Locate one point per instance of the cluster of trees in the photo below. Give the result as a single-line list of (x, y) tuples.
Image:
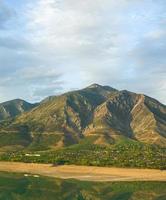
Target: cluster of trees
[(120, 155)]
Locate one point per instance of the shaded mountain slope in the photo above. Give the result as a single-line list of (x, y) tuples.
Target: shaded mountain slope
[(13, 108)]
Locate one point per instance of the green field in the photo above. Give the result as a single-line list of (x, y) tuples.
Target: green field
[(17, 187), (122, 154)]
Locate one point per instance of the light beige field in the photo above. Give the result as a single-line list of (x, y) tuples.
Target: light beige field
[(87, 173)]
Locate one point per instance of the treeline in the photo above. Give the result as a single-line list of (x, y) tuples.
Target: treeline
[(120, 155)]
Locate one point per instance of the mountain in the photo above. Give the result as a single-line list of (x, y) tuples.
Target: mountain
[(101, 113), (13, 108)]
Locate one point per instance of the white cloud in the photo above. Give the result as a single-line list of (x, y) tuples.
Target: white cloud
[(75, 43)]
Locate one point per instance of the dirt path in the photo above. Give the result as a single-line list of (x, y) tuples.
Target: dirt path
[(85, 172)]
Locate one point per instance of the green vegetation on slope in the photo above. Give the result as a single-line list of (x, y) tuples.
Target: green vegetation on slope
[(17, 187)]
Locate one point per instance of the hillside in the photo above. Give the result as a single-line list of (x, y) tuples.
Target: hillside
[(99, 111), (13, 108), (94, 117)]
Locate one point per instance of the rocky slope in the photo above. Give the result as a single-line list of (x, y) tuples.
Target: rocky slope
[(99, 112)]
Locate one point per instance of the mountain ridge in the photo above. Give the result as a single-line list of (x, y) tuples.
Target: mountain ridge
[(96, 111)]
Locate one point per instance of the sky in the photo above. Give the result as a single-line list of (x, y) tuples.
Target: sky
[(48, 47)]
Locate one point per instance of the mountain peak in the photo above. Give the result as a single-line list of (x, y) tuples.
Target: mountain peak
[(95, 85), (101, 87)]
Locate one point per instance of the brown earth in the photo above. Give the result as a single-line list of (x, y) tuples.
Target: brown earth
[(87, 173)]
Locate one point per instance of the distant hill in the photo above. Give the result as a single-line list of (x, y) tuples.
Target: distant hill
[(13, 108), (101, 112)]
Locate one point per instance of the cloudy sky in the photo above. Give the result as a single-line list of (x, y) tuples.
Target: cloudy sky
[(51, 46)]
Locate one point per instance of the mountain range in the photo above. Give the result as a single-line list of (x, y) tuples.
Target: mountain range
[(99, 112)]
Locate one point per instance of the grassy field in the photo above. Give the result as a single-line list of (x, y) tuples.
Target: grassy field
[(17, 187)]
